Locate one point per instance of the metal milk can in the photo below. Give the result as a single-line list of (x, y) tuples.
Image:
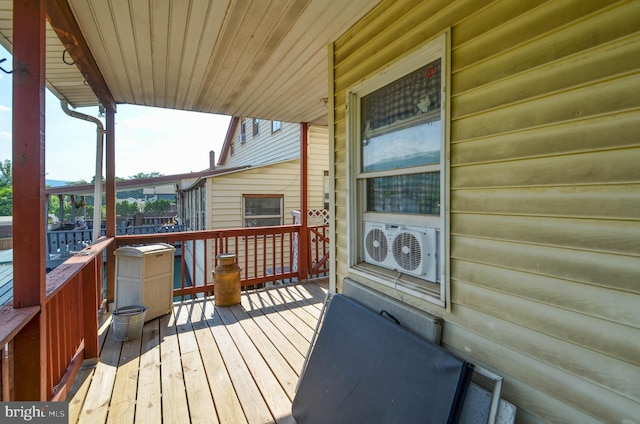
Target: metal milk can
[(226, 280)]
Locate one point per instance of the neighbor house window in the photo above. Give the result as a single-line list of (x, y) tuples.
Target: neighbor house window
[(327, 189), (276, 126), (243, 132), (397, 130), (262, 210), (256, 126)]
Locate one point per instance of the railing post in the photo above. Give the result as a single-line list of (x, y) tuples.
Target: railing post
[(29, 222), (90, 280), (111, 202), (303, 237)]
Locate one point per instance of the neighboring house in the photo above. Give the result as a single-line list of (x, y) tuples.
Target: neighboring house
[(522, 192), (262, 185)]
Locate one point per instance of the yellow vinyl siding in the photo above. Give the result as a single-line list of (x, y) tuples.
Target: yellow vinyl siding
[(545, 191), (226, 192), (318, 163), (225, 197)]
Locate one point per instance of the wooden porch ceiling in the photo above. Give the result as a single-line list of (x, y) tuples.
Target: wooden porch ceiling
[(205, 364), (257, 58)]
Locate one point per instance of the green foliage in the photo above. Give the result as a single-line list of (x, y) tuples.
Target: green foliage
[(5, 174), (6, 201), (54, 208), (126, 209), (141, 175), (157, 206)]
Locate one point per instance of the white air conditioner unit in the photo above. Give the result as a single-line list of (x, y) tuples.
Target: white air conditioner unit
[(410, 250), (241, 138)]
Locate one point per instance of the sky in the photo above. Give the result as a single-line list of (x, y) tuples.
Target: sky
[(147, 139)]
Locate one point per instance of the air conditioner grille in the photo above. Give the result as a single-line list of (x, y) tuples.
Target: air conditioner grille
[(376, 245), (406, 251)]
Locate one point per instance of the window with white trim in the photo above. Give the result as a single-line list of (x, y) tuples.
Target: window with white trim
[(243, 132), (262, 210), (397, 130), (276, 126)]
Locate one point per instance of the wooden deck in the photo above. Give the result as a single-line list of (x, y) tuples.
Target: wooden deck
[(205, 364)]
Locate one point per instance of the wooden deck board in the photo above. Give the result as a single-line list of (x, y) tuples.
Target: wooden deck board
[(282, 323), (174, 394), (273, 394), (198, 394), (123, 405), (96, 404), (204, 363), (149, 399), (81, 384), (226, 401), (253, 405)]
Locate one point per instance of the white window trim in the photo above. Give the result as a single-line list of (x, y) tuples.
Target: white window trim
[(431, 50), (254, 196)]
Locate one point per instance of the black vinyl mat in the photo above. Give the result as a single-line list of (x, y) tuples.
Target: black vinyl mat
[(365, 368)]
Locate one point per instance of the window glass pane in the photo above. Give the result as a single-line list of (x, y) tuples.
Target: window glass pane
[(411, 194), (262, 206), (261, 222), (401, 122)]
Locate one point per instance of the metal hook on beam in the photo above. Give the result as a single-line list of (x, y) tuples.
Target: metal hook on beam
[(4, 70), (64, 59)]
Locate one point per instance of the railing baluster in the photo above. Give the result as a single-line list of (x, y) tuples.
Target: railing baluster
[(5, 373)]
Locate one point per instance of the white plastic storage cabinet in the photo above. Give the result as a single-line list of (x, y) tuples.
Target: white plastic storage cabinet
[(144, 276)]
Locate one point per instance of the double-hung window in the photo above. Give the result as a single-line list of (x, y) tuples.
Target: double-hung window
[(262, 210), (397, 130), (243, 132)]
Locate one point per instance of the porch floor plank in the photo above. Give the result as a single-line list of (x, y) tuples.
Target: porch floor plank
[(253, 405), (227, 404), (149, 398), (283, 321), (273, 394), (123, 406), (204, 363), (96, 404), (286, 348), (174, 394), (287, 376), (198, 394)]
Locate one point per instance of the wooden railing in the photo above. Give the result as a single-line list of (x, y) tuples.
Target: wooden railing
[(69, 317), (319, 250), (265, 255)]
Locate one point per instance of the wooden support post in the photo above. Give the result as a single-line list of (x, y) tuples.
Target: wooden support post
[(111, 201), (303, 239), (29, 221)]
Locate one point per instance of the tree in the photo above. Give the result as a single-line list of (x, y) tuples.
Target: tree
[(6, 201), (157, 206), (5, 174), (127, 209), (141, 175)]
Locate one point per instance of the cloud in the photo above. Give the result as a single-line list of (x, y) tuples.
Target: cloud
[(4, 108)]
